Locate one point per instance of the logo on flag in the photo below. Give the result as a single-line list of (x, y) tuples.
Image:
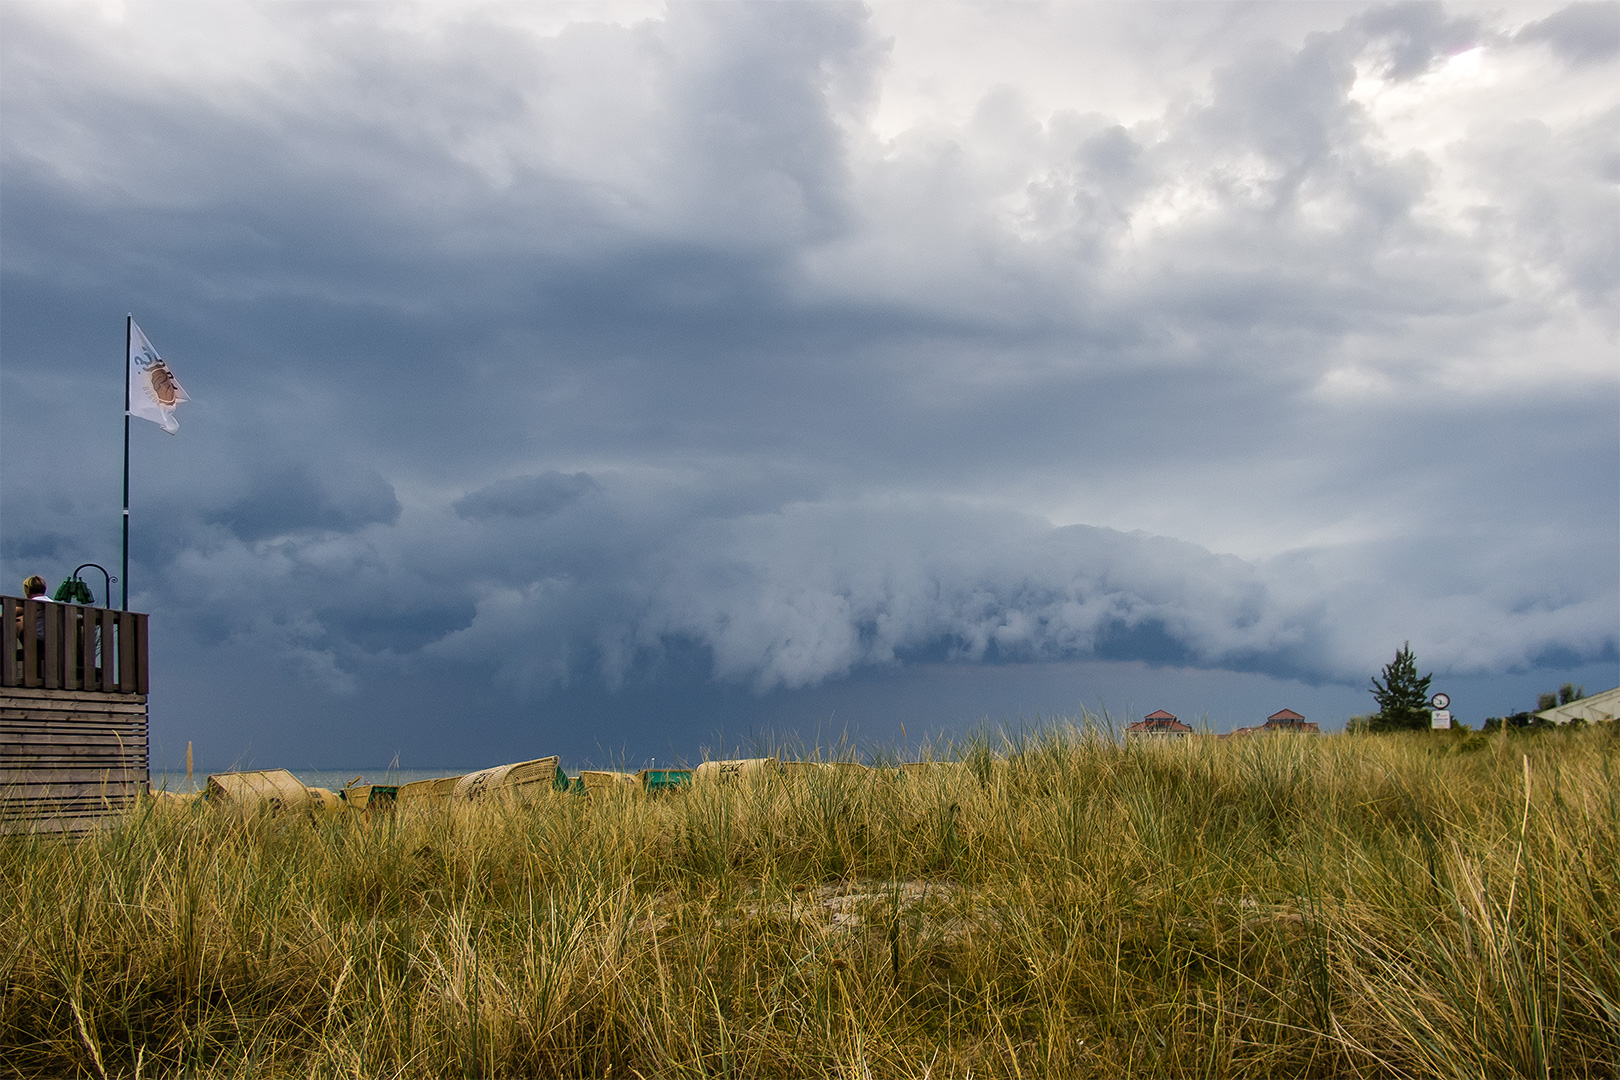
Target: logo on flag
[(154, 392)]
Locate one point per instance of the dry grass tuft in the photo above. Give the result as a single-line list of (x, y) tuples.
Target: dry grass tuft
[(1061, 905)]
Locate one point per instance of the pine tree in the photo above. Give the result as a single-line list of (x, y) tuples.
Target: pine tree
[(1403, 698)]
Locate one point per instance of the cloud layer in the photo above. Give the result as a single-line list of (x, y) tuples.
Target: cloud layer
[(566, 346)]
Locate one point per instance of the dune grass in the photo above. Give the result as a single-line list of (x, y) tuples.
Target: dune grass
[(1061, 905)]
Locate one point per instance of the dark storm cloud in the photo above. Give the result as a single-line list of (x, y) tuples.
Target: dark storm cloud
[(659, 361), (296, 498), (1416, 35), (793, 595), (525, 496), (1580, 33)]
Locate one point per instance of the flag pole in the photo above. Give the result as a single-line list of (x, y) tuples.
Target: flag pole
[(124, 577)]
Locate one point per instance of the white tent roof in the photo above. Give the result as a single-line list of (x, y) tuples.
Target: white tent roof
[(1594, 709)]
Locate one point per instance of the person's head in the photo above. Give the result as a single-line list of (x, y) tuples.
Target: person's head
[(33, 585)]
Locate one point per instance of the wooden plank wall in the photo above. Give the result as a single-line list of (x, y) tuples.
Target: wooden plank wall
[(72, 647), (69, 758)]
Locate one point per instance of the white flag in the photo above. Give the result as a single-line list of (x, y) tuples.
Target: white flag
[(154, 393)]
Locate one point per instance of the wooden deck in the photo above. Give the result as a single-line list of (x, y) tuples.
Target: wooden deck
[(73, 715)]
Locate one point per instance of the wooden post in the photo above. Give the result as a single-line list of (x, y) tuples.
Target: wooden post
[(11, 617), (52, 645), (87, 647), (68, 642), (109, 651), (141, 658), (30, 645), (126, 652)]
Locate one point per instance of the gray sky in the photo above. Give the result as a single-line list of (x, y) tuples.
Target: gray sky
[(633, 381)]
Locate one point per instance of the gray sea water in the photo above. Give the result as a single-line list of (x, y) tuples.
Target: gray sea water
[(335, 779)]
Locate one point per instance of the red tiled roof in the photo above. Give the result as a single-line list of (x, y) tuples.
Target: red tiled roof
[(1158, 714), (1285, 714), (1275, 727), (1154, 725)]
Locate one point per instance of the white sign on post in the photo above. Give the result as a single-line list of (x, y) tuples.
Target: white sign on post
[(1440, 718)]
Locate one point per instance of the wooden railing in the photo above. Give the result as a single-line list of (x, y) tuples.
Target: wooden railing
[(53, 646)]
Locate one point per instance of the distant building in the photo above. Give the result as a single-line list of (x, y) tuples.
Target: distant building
[(1289, 720), (1159, 722), (1280, 722), (1597, 709)]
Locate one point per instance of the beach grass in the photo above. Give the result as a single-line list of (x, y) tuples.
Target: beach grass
[(1060, 904)]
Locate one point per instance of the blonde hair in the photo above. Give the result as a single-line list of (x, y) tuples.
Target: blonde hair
[(33, 585)]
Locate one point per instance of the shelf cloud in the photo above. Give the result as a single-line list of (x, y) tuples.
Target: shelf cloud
[(567, 347)]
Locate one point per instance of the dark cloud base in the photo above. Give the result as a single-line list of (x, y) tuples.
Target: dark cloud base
[(427, 723), (621, 383)]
